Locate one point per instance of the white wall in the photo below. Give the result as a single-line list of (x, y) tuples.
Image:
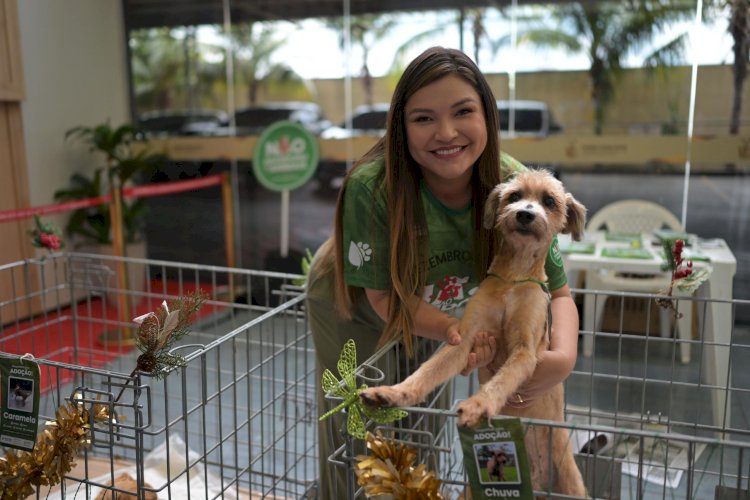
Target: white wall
[(74, 63)]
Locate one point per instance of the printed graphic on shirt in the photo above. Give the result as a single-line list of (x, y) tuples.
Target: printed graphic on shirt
[(463, 256), (448, 293), (555, 254), (359, 253)]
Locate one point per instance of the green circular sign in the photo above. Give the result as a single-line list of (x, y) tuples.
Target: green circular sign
[(285, 156)]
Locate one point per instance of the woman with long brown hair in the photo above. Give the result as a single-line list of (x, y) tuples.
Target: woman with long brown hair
[(409, 247)]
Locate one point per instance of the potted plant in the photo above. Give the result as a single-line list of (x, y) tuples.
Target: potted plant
[(122, 165), (91, 227)]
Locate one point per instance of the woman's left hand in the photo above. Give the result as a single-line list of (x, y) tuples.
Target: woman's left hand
[(482, 352)]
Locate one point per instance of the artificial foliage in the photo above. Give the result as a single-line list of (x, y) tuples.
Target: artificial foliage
[(685, 279), (159, 330), (61, 440), (54, 453), (347, 389), (120, 164), (388, 472), (305, 265)]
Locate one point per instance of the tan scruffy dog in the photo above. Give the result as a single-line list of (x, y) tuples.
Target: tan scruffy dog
[(512, 304)]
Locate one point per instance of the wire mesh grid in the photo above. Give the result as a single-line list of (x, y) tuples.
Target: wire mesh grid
[(237, 421), (645, 422)]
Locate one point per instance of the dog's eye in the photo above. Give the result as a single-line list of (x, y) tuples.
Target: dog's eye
[(549, 202), (514, 197)]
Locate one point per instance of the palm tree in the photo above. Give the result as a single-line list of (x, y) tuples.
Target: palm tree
[(157, 60), (366, 31), (608, 32), (254, 47), (480, 35), (170, 69), (739, 27)]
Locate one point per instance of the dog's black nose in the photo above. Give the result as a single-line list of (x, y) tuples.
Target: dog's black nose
[(525, 217)]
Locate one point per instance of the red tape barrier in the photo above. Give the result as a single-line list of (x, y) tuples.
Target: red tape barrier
[(25, 213), (171, 187), (131, 192)]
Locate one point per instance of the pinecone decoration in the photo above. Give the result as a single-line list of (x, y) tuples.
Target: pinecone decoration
[(159, 330), (146, 362)]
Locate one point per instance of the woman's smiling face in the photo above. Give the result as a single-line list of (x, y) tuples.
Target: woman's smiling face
[(446, 130)]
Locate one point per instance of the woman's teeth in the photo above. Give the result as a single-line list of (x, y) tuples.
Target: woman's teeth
[(448, 151)]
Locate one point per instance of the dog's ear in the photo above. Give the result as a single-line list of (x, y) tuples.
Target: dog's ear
[(576, 217), (491, 205)]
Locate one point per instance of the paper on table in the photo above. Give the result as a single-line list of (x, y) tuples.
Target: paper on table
[(622, 237), (578, 247), (669, 234), (695, 254), (627, 253)]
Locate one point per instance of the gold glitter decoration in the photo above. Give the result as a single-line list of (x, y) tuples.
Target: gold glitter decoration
[(59, 443), (54, 454), (389, 472)]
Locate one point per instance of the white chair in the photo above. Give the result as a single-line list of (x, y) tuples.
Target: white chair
[(633, 216)]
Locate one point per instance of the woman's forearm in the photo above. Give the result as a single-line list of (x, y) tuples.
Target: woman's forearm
[(565, 323), (555, 364), (429, 321)]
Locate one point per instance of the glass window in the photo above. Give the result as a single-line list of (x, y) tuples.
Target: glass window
[(619, 113)]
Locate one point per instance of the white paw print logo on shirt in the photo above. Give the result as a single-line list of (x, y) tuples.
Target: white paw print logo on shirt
[(359, 253)]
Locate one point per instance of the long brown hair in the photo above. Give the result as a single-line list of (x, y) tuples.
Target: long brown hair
[(401, 178)]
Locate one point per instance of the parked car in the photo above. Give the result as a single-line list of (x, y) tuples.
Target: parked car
[(526, 119), (252, 120), (530, 119), (181, 122), (174, 123), (365, 121)]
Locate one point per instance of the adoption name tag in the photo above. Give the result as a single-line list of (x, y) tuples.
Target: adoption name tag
[(19, 402), (495, 459)]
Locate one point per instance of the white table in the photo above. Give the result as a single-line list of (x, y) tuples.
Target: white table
[(717, 289)]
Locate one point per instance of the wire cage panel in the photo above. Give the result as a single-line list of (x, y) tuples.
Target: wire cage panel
[(238, 420), (645, 423)]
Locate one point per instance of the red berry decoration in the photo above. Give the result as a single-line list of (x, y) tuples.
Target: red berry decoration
[(44, 235), (684, 278)]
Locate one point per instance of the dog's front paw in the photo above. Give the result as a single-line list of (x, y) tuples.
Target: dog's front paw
[(386, 396), (473, 410)]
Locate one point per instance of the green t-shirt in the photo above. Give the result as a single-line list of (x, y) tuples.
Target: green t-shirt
[(451, 278)]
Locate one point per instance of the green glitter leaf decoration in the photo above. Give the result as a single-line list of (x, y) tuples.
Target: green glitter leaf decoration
[(305, 264), (346, 388)]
